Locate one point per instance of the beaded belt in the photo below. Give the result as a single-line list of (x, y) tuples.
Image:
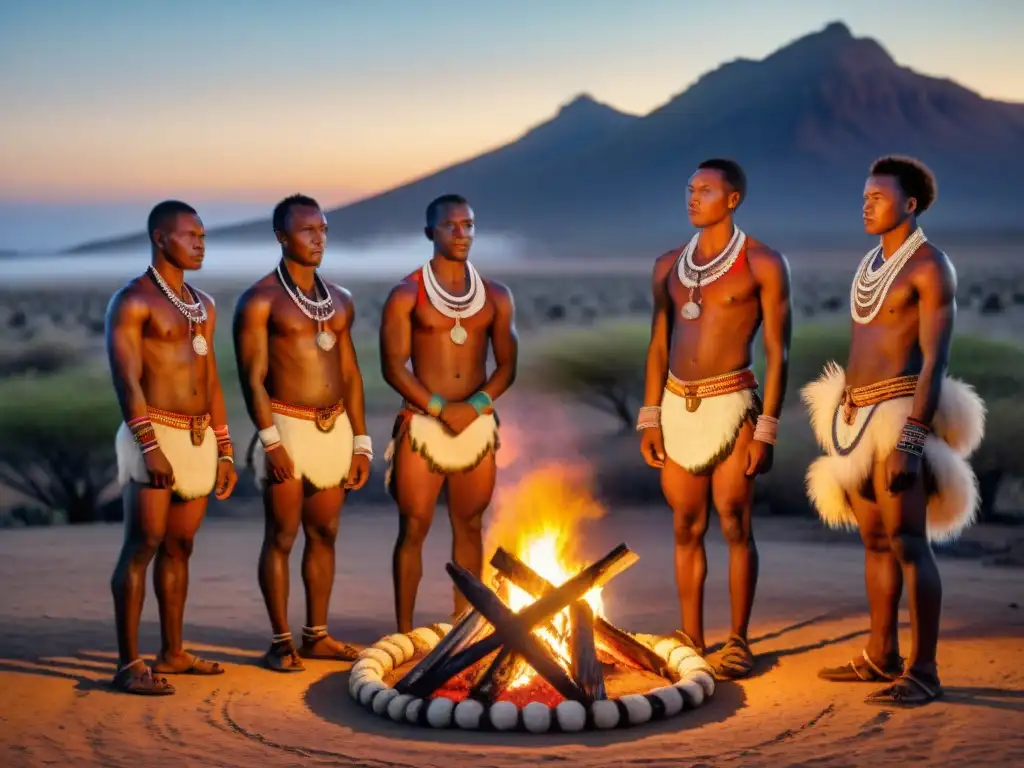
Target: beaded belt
[(196, 424), (872, 394), (323, 417), (713, 386)]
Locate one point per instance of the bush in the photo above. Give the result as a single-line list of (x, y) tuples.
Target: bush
[(604, 367), (57, 443)]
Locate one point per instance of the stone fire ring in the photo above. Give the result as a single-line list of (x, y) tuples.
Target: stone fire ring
[(367, 686)]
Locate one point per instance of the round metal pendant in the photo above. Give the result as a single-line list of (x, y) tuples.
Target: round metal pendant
[(325, 340), (691, 310), (199, 345), (458, 334)]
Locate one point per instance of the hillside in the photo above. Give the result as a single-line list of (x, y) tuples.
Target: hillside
[(805, 122)]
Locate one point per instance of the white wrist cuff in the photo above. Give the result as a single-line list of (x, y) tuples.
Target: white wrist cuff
[(362, 444), (270, 435)]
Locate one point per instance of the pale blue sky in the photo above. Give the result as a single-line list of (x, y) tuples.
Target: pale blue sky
[(111, 104)]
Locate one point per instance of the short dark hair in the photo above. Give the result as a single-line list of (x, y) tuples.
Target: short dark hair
[(282, 209), (434, 209), (731, 170), (163, 212), (914, 177)]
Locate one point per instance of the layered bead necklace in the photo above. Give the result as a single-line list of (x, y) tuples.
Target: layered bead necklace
[(457, 307), (872, 283), (693, 275), (318, 310), (194, 312)]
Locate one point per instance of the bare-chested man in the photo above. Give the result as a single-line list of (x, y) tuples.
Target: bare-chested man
[(700, 402), (173, 448), (444, 318), (897, 431), (304, 392)]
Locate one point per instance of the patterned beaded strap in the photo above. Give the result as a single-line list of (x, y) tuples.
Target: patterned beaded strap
[(913, 437)]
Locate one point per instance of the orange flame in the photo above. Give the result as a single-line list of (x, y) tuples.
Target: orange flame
[(539, 521)]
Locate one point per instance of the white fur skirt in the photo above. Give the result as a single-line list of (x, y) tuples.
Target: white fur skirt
[(194, 466), (444, 452), (322, 458), (698, 440), (852, 450)]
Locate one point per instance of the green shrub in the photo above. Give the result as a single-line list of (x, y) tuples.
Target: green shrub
[(57, 442)]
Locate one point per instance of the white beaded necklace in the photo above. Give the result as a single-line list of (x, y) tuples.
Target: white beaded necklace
[(456, 307), (195, 313), (871, 285), (317, 310), (694, 275)]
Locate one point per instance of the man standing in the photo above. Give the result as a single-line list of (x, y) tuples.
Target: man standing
[(444, 317), (897, 432), (173, 448), (304, 392), (700, 402)]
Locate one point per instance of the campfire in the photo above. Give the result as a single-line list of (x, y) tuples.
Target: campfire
[(535, 647)]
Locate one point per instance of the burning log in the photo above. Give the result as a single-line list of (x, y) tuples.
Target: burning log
[(471, 626), (625, 648), (511, 631), (586, 669), (554, 601), (498, 676)]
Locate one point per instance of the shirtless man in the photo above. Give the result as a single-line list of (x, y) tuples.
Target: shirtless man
[(700, 401), (443, 318), (897, 432), (304, 392), (173, 448)]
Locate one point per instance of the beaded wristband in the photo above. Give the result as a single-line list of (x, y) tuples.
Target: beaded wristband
[(766, 429), (435, 406), (270, 437), (362, 445), (913, 437), (225, 449), (143, 433), (649, 417), (481, 402)]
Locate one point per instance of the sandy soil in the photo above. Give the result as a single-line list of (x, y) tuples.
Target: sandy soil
[(57, 654)]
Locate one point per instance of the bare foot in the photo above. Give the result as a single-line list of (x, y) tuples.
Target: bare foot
[(137, 678)]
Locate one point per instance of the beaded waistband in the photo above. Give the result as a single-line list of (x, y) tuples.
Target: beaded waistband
[(723, 384), (178, 420), (323, 417), (872, 394)]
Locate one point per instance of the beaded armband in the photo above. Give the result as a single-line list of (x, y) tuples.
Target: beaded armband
[(435, 405), (767, 429), (648, 418), (142, 430), (225, 449), (913, 437), (481, 402)]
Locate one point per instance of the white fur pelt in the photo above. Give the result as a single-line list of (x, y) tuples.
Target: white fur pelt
[(444, 451), (322, 458), (958, 428), (194, 466), (698, 440)]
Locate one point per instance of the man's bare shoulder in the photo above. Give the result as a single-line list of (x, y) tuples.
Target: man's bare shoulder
[(666, 261), (762, 253), (205, 297), (497, 291), (259, 295), (402, 295), (135, 297), (932, 267), (342, 296)]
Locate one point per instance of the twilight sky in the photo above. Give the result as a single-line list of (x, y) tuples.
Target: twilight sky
[(112, 104)]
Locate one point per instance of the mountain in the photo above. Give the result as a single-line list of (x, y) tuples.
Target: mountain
[(805, 122)]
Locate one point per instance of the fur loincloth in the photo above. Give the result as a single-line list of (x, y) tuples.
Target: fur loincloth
[(958, 428), (194, 466), (319, 442), (701, 420), (444, 452)]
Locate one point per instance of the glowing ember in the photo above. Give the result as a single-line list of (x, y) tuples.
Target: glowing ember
[(539, 523)]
